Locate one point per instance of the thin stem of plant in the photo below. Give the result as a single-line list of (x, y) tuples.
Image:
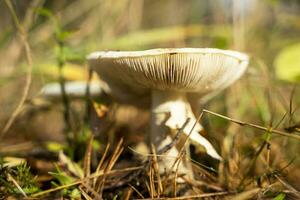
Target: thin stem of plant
[(64, 96), (23, 36), (241, 123)]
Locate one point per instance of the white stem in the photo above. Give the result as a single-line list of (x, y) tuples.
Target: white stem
[(169, 111)]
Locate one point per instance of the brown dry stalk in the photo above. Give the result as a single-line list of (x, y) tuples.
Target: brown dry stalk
[(91, 190), (84, 194), (288, 186), (174, 142), (181, 155), (190, 197), (80, 181), (151, 182), (242, 123), (119, 149), (23, 36), (156, 170), (136, 190), (128, 194), (101, 163), (87, 158)]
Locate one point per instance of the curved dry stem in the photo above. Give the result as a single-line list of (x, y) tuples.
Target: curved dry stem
[(23, 36)]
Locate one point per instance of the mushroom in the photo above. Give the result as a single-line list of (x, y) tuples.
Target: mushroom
[(166, 79), (73, 89)]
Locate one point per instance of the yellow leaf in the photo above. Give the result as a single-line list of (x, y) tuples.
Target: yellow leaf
[(70, 71), (287, 63)]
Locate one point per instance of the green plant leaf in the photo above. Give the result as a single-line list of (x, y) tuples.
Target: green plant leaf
[(54, 146), (74, 55), (280, 197), (44, 12), (75, 194), (287, 63), (62, 177), (63, 35), (71, 166)]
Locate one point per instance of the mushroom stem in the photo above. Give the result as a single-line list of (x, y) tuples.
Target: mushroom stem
[(170, 110)]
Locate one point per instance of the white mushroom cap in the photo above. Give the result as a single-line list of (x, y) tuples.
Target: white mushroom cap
[(196, 71), (74, 89)]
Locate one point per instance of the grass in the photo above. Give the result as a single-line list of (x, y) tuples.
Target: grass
[(254, 123), (73, 180)]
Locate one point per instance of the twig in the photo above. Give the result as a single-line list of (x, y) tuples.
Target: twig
[(175, 140), (185, 141), (191, 196), (23, 36), (136, 191), (288, 186), (241, 123)]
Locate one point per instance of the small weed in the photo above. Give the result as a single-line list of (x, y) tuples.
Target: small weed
[(17, 181)]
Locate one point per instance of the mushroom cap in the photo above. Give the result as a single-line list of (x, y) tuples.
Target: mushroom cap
[(74, 89), (131, 75)]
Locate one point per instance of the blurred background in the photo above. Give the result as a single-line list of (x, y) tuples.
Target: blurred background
[(61, 33)]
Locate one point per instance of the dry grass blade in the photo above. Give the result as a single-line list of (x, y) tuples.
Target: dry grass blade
[(171, 145), (175, 140), (197, 183), (128, 194), (247, 194), (147, 186), (204, 169), (288, 186), (17, 185), (137, 191), (241, 123), (101, 163), (156, 171), (151, 182), (252, 164), (92, 191), (87, 158), (57, 188), (191, 131), (84, 180), (20, 147), (119, 149), (70, 165), (23, 36), (84, 194), (190, 197), (181, 152), (176, 174)]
